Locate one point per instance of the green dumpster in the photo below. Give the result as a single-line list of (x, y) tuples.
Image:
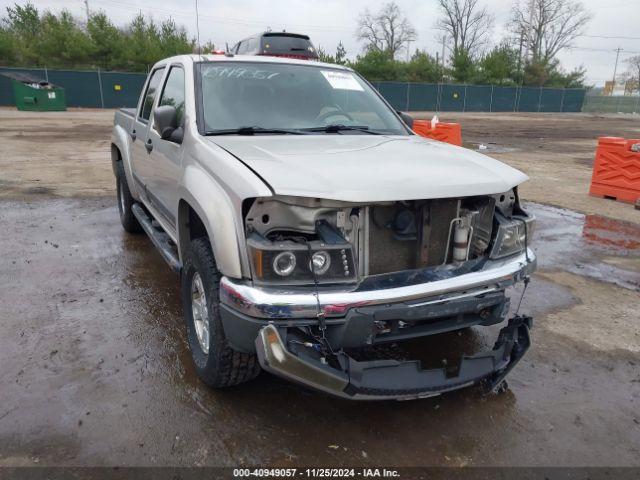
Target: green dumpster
[(35, 94)]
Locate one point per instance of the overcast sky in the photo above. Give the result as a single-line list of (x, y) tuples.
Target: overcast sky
[(331, 21)]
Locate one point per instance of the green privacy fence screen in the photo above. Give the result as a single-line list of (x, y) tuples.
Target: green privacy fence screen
[(84, 88), (97, 89), (480, 98), (619, 104)]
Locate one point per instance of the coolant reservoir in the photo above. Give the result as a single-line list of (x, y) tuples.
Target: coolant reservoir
[(461, 236)]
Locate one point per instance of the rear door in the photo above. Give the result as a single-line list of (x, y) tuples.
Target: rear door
[(139, 152), (166, 156)]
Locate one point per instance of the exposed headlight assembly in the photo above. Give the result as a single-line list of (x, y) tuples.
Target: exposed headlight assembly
[(513, 235), (294, 263)]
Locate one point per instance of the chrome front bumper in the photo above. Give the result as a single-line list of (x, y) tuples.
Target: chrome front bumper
[(289, 303)]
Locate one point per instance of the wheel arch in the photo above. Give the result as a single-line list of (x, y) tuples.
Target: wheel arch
[(116, 156), (120, 146), (215, 222)]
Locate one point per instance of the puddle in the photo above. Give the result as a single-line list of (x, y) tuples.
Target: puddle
[(587, 245)]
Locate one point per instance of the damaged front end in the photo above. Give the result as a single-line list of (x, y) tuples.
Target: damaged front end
[(330, 278), (306, 362)]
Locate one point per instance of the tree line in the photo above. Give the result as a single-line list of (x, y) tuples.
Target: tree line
[(500, 66), (538, 31), (30, 38)]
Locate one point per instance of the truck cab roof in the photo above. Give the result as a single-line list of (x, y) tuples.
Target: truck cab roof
[(231, 58)]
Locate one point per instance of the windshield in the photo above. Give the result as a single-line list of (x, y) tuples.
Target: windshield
[(292, 97)]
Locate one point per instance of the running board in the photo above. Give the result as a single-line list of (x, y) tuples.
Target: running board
[(158, 237)]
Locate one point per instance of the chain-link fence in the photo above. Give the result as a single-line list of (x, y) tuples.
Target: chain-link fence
[(98, 89), (619, 104)]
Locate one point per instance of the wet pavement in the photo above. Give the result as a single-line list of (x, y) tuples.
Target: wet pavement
[(95, 368), (588, 245)]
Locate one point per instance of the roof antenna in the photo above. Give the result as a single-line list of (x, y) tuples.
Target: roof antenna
[(198, 29)]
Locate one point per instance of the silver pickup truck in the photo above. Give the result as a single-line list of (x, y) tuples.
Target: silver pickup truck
[(310, 225)]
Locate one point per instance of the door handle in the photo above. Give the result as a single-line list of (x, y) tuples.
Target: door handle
[(148, 146), (133, 135)]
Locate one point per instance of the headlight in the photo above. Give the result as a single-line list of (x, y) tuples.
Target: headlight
[(284, 264), (513, 235), (320, 262), (292, 263)]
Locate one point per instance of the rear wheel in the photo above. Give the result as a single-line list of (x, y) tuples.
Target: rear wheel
[(125, 202), (217, 364)]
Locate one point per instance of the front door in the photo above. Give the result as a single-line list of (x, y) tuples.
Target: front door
[(166, 156)]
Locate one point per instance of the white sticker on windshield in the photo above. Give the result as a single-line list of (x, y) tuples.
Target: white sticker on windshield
[(342, 80)]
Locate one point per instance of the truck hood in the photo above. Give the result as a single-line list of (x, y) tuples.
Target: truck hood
[(369, 168)]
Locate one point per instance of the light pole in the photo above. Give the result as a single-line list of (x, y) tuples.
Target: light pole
[(615, 70)]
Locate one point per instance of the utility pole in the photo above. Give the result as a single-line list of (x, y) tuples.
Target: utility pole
[(532, 6), (444, 39), (615, 70), (198, 28), (520, 54), (86, 7)]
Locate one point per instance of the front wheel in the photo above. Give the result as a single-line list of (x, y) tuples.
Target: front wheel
[(217, 364)]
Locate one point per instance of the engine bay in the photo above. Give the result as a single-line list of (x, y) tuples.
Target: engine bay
[(323, 241)]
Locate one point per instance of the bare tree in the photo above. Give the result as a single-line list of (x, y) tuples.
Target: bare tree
[(388, 30), (548, 26), (634, 69), (466, 22)]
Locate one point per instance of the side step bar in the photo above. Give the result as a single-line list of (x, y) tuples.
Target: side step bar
[(158, 237)]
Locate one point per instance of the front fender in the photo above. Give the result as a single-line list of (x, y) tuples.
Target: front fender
[(215, 209)]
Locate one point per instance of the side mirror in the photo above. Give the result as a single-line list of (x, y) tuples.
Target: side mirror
[(176, 136), (165, 121), (406, 118)]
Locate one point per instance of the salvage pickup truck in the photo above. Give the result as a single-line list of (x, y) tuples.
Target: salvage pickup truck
[(310, 226)]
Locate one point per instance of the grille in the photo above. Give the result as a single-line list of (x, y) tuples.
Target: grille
[(389, 253), (386, 253)]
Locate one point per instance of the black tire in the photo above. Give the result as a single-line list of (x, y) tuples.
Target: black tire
[(221, 366), (125, 202)]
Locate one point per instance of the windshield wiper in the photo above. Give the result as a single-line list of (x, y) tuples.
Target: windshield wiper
[(254, 130), (335, 128)]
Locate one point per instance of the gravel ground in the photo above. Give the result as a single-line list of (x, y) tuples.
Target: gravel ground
[(94, 366), (556, 151)]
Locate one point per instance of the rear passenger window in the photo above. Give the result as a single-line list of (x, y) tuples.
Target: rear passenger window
[(173, 92), (150, 94)]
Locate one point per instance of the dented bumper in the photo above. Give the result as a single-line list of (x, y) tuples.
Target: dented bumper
[(342, 376)]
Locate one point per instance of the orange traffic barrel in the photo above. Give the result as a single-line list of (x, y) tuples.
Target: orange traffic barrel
[(444, 132), (616, 171)]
